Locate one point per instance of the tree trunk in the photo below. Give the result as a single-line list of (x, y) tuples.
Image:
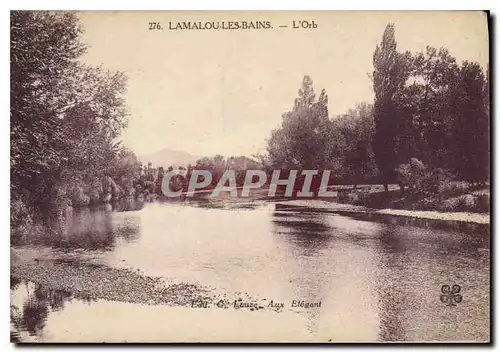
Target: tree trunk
[(402, 188), (386, 186)]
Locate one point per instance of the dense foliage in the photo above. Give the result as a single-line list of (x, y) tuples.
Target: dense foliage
[(426, 107), (65, 117)]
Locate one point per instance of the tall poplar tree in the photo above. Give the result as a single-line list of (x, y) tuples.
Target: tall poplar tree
[(392, 130), (385, 84)]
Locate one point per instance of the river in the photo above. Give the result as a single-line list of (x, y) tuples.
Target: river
[(366, 279)]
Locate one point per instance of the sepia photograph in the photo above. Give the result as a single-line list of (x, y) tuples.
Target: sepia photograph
[(250, 177)]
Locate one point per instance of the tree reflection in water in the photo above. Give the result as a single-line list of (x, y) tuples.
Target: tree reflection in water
[(88, 228), (37, 305)]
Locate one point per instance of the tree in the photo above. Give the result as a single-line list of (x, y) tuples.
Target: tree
[(44, 47), (215, 165), (302, 139), (93, 122), (391, 70), (472, 125), (433, 96), (65, 116), (357, 128)]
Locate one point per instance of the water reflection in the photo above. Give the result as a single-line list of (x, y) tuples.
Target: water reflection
[(392, 300), (304, 236), (376, 279), (30, 307), (410, 266), (393, 272), (85, 229), (95, 228), (309, 232)]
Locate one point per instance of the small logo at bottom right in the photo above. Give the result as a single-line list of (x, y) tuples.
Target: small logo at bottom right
[(450, 295)]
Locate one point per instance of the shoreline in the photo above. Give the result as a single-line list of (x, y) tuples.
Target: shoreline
[(84, 279), (333, 207)]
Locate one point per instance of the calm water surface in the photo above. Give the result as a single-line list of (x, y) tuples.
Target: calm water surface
[(376, 280)]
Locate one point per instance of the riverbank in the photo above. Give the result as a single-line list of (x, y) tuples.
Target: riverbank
[(91, 281), (86, 279), (331, 206), (455, 201), (453, 197)]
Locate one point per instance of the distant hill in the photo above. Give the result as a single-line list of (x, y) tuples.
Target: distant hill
[(167, 157)]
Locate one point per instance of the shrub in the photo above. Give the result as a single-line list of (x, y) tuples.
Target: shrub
[(420, 180), (453, 189), (343, 195), (411, 174), (437, 180)]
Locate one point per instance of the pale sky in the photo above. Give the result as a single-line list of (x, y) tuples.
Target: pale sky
[(208, 92)]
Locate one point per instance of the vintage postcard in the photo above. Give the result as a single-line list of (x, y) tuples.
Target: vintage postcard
[(230, 176)]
